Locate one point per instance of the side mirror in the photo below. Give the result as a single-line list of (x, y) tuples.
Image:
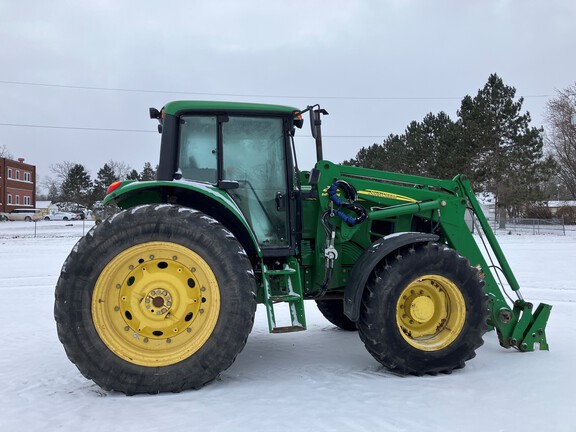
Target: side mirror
[(154, 113), (316, 121)]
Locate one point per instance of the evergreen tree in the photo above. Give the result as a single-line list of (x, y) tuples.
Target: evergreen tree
[(104, 178), (508, 154), (53, 194), (391, 155), (133, 175), (77, 186), (430, 148), (435, 147), (148, 173)]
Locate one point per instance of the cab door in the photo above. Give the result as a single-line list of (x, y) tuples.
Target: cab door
[(254, 156)]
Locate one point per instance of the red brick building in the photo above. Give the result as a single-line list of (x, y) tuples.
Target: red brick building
[(17, 185)]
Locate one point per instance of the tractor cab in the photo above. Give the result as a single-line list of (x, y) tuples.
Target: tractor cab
[(244, 149)]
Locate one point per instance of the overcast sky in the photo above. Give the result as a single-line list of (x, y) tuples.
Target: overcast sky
[(374, 65)]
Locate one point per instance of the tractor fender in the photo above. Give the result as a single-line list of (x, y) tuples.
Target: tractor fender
[(204, 197), (368, 262)]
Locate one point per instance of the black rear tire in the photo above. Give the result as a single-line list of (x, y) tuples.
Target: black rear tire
[(333, 311), (423, 311), (159, 298)]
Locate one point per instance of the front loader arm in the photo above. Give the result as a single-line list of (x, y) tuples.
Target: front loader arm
[(521, 327), (391, 195)]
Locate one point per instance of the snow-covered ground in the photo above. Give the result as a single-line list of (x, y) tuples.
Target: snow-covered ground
[(319, 380)]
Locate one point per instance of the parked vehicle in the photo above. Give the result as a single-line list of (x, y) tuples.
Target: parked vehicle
[(61, 216), (27, 215)]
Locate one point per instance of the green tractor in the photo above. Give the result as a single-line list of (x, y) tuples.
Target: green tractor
[(161, 297)]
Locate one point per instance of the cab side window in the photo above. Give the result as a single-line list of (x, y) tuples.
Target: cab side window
[(197, 154)]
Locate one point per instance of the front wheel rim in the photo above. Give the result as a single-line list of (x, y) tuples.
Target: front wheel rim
[(156, 304), (430, 313)]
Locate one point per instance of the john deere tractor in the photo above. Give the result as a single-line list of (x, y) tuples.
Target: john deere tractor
[(161, 297)]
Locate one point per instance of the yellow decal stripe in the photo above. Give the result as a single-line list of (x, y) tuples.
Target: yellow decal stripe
[(381, 194)]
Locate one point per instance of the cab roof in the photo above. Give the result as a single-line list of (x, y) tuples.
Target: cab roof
[(176, 107)]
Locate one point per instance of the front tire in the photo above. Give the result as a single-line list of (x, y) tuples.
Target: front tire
[(333, 311), (159, 298), (423, 311)]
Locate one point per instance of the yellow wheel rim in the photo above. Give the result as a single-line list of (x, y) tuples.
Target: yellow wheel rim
[(156, 304), (430, 313)]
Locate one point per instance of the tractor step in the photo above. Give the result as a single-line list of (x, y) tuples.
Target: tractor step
[(287, 329), (284, 286)]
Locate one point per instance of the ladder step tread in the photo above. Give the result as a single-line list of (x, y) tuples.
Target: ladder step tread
[(288, 329)]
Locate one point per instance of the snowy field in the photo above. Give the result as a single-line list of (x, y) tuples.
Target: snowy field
[(319, 380)]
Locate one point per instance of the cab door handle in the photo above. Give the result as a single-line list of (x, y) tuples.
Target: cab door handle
[(280, 201)]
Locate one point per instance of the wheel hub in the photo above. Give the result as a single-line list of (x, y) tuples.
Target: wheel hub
[(156, 303), (422, 309), (160, 298), (430, 312)]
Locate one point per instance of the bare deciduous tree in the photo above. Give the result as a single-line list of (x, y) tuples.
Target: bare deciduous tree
[(121, 169), (4, 153), (561, 135)]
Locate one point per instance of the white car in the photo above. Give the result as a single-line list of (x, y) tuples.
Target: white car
[(27, 215), (62, 216)]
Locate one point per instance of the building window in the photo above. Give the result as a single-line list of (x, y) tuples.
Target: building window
[(27, 176), (17, 199), (9, 172), (9, 199), (26, 200), (17, 175)]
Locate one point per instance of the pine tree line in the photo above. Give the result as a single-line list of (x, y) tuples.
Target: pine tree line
[(491, 142)]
